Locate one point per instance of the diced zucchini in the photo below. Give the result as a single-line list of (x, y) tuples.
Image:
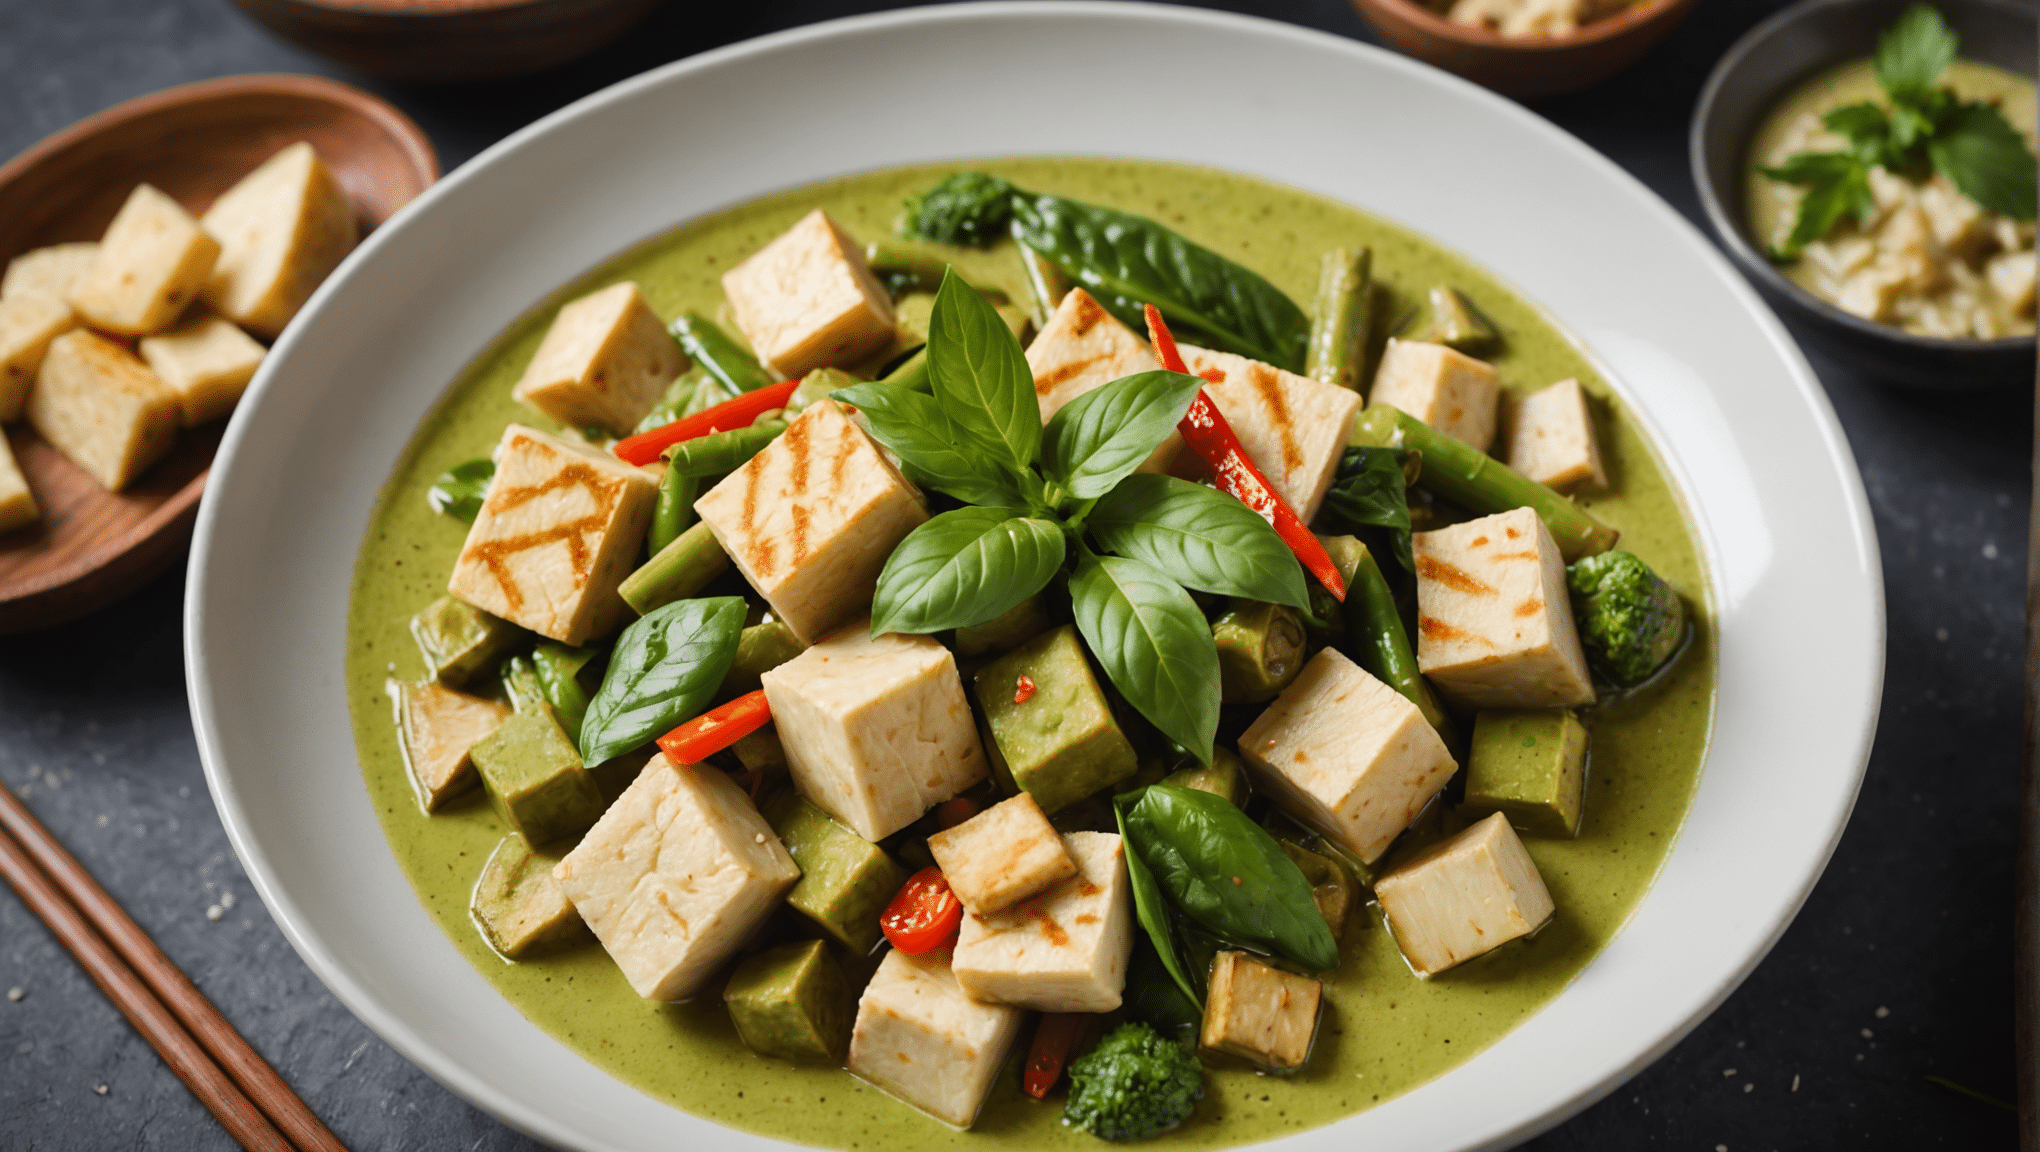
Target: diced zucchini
[(535, 777), (1224, 776), (1051, 721), (845, 880), (761, 648), (460, 640), (1017, 625), (1330, 884), (794, 1003), (1529, 766), (519, 906)]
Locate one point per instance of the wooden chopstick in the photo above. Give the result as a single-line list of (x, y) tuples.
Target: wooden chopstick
[(206, 1052)]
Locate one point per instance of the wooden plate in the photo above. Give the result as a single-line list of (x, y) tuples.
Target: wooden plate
[(92, 546)]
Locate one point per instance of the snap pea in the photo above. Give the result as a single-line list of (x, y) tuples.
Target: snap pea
[(721, 452), (1382, 646), (675, 509), (1338, 329), (711, 348)]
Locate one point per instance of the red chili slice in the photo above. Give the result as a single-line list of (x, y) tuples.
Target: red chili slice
[(644, 448), (711, 732), (1054, 1039)]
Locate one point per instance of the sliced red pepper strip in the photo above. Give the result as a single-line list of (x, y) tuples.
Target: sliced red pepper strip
[(1206, 431), (644, 448), (1054, 1038), (711, 732), (924, 913)]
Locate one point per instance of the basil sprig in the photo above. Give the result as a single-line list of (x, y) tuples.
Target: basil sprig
[(460, 490), (665, 668), (1370, 490), (1194, 855), (1047, 499), (1124, 261), (1926, 129)]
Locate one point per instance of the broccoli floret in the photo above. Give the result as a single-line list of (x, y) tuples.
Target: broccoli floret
[(1133, 1085), (1630, 620), (968, 208)]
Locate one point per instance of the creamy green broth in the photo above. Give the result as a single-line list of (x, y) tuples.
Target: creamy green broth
[(1384, 1031)]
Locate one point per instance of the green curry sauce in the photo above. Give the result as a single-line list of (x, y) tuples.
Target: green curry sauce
[(1384, 1031)]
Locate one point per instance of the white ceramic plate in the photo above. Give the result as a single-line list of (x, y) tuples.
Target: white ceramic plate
[(1748, 435)]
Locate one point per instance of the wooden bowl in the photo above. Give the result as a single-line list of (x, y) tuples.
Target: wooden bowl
[(450, 41), (1526, 68), (92, 546)]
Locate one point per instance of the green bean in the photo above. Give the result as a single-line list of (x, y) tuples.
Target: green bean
[(909, 268), (1480, 483), (675, 509), (711, 348), (1383, 646), (721, 452), (1338, 330), (681, 569)]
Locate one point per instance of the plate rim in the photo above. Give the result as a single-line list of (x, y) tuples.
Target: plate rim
[(514, 1112)]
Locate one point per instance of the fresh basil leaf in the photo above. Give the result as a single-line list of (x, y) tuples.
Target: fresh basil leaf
[(1125, 260), (722, 452), (1368, 491), (665, 668), (1913, 53), (1152, 993), (1154, 643), (1836, 183), (711, 348), (460, 490), (1150, 907), (1987, 159), (980, 376), (1227, 874), (963, 568), (1201, 537), (967, 208), (913, 425), (1098, 439), (1859, 121)]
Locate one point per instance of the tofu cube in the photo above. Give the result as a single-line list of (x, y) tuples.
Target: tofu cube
[(282, 229), (459, 640), (1549, 437), (845, 880), (1059, 742), (808, 300), (676, 876), (922, 1039), (150, 265), (27, 325), (1346, 755), (559, 531), (1294, 428), (438, 727), (1444, 388), (101, 406), (1530, 767), (604, 363), (1494, 621), (519, 905), (1084, 347), (51, 271), (1259, 1013), (207, 362), (1956, 221), (792, 1002), (1064, 950), (1001, 856), (812, 518), (1463, 897), (17, 504), (876, 728), (2011, 276), (535, 777)]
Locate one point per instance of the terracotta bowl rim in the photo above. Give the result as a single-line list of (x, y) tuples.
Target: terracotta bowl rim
[(1600, 31), (417, 149)]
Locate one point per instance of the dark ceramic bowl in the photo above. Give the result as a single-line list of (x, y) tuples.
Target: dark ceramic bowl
[(450, 41), (1763, 68)]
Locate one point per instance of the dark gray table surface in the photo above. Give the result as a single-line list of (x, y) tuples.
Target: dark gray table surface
[(1898, 969)]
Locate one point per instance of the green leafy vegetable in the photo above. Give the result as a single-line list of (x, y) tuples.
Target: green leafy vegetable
[(1151, 908), (1227, 874), (1098, 439), (1153, 643), (711, 348), (981, 378), (678, 395), (1152, 994), (968, 208), (1370, 490), (1201, 537), (558, 668), (964, 568), (1984, 156), (913, 424), (664, 669), (1837, 184), (1913, 53), (1630, 620), (1134, 1084), (460, 490)]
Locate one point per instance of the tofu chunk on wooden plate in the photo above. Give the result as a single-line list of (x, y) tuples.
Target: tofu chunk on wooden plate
[(1064, 950), (50, 272), (811, 519), (560, 529), (676, 876), (206, 361), (17, 504), (1494, 620), (876, 728), (95, 402), (28, 323), (281, 230), (920, 1037), (808, 299), (151, 264)]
